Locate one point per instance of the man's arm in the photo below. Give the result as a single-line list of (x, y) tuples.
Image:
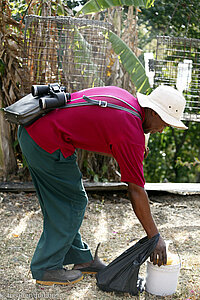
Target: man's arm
[(140, 204)]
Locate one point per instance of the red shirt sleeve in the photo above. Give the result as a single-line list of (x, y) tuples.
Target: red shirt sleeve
[(130, 159)]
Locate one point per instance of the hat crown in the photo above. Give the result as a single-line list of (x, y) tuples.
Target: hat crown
[(169, 100)]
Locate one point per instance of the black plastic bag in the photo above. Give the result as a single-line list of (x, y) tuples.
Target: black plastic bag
[(121, 275)]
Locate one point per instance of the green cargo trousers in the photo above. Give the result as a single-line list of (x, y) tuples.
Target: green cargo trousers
[(62, 197)]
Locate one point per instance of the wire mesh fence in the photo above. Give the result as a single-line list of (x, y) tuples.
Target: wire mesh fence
[(178, 64), (70, 51)]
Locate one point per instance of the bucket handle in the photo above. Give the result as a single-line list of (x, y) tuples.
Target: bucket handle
[(167, 246)]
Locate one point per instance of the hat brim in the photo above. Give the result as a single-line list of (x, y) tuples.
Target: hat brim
[(146, 101)]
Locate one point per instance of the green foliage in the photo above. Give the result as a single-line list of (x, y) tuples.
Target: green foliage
[(167, 17), (19, 8), (93, 6), (174, 155)]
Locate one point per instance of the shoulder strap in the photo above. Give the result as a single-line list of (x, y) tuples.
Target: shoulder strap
[(104, 104)]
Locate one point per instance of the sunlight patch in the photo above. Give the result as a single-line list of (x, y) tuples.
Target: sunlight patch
[(81, 293), (102, 228), (21, 227)]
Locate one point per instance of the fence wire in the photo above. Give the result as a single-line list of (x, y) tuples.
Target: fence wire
[(173, 55), (70, 51)]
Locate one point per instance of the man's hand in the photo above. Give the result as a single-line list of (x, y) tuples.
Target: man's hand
[(159, 256)]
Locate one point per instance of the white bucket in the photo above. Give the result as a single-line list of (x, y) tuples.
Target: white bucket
[(163, 280)]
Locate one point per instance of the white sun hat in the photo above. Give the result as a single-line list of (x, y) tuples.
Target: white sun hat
[(167, 102)]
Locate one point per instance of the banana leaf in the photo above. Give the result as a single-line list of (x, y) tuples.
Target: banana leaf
[(130, 62), (93, 6)]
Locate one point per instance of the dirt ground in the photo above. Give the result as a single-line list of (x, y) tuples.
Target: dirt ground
[(110, 220)]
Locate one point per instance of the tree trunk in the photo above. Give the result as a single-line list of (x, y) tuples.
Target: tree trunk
[(7, 157)]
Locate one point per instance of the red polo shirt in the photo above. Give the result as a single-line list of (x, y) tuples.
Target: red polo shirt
[(98, 129)]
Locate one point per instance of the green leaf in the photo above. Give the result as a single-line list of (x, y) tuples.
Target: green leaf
[(93, 6), (130, 62)]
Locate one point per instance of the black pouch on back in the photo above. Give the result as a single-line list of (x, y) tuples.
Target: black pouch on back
[(28, 109), (25, 111), (121, 275), (42, 100)]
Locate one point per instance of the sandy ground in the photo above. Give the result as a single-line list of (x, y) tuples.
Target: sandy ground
[(109, 219)]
